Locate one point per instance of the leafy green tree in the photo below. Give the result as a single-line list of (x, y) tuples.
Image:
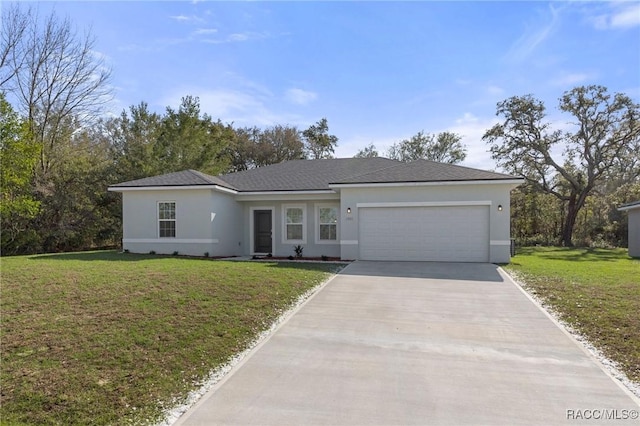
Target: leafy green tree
[(318, 142), (133, 136), (191, 140), (241, 151), (369, 151), (443, 148), (18, 157), (605, 138), (277, 144)]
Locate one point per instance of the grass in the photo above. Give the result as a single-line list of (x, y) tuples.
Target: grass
[(113, 338), (595, 291)]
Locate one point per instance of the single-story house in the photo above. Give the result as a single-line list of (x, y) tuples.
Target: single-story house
[(352, 208), (634, 227)]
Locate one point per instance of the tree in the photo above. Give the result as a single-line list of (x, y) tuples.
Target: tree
[(18, 157), (443, 148), (133, 136), (277, 144), (605, 138), (14, 24), (318, 142), (55, 75), (189, 140), (369, 151)]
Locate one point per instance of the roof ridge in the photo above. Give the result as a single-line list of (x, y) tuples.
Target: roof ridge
[(398, 163), (457, 165), (207, 178)]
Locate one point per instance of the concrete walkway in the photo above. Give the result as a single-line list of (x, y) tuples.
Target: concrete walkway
[(398, 343)]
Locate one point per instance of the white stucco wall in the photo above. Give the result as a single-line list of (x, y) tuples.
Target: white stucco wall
[(207, 221), (495, 194)]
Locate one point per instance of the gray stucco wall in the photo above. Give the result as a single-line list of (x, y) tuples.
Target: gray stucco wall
[(312, 247), (207, 221), (634, 232), (496, 194)]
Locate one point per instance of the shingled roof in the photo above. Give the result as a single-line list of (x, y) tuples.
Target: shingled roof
[(183, 178), (304, 175), (423, 171), (317, 175)]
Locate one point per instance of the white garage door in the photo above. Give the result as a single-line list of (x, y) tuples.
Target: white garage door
[(440, 234)]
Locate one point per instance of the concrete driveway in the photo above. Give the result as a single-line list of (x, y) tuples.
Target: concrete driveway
[(402, 343)]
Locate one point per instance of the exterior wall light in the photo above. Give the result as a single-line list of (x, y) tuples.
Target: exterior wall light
[(348, 210), (499, 207)]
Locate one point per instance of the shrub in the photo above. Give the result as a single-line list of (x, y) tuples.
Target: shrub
[(298, 250)]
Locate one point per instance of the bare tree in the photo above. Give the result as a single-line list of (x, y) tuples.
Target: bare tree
[(14, 24), (55, 75)]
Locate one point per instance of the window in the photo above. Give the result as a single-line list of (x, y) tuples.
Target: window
[(167, 219), (294, 224), (327, 230)]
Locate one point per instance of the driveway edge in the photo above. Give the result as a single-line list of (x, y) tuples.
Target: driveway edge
[(608, 367), (177, 415)]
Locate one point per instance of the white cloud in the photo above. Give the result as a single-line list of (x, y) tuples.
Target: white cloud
[(205, 31), (626, 18), (187, 19), (237, 38), (620, 16), (241, 105), (535, 35), (495, 90), (472, 128), (571, 79), (180, 18), (300, 97)]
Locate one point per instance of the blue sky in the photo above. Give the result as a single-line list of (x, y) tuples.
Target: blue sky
[(378, 71)]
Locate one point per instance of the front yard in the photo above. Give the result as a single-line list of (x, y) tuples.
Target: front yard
[(595, 291), (112, 338)]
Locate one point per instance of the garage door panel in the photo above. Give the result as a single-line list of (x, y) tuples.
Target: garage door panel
[(451, 234)]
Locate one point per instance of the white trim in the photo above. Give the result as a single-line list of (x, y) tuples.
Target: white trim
[(172, 240), (175, 218), (348, 242), (170, 188), (252, 239), (316, 208), (287, 197), (320, 191), (427, 204), (304, 223), (441, 183), (627, 208), (499, 242)]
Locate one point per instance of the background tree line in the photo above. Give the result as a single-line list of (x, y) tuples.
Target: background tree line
[(59, 151)]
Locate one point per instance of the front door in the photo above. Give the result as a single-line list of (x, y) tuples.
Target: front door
[(262, 231)]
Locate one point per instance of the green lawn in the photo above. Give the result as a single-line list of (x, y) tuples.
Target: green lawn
[(596, 291), (112, 338)]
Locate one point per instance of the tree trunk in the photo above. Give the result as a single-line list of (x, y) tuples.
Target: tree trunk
[(575, 203), (569, 222)]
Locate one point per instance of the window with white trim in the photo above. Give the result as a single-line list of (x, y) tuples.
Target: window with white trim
[(294, 229), (166, 219), (327, 220)]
